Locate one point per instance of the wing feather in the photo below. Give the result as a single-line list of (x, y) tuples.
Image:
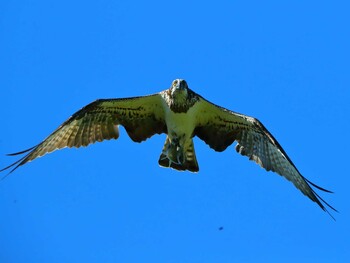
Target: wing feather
[(220, 127), (142, 117)]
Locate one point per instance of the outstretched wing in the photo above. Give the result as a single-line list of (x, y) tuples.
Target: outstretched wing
[(220, 127), (141, 117)]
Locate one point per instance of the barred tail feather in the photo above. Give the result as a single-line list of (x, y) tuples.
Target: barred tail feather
[(179, 159)]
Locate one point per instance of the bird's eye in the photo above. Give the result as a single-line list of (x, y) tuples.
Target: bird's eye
[(175, 82)]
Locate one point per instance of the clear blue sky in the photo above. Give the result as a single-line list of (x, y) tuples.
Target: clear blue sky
[(284, 62)]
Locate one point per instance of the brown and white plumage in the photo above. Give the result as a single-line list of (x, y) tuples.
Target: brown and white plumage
[(181, 114), (98, 121)]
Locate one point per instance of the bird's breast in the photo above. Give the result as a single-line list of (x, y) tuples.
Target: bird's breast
[(181, 124)]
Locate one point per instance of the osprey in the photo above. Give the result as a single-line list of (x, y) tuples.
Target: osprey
[(181, 114)]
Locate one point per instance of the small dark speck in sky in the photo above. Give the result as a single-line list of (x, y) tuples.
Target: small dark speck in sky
[(221, 228)]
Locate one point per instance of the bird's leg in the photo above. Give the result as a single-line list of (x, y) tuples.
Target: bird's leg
[(175, 151), (173, 154)]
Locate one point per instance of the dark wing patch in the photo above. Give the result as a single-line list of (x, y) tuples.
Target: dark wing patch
[(220, 127), (218, 136), (142, 117)]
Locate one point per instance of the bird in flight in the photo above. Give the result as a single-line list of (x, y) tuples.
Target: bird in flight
[(181, 114)]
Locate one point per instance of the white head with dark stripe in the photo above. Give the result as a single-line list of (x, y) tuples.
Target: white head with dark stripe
[(179, 89), (179, 97)]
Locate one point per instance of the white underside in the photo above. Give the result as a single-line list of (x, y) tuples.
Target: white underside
[(181, 125)]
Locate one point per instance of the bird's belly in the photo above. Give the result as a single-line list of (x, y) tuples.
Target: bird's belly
[(181, 125)]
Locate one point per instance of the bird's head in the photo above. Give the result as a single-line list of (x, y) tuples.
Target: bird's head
[(179, 89), (179, 97)]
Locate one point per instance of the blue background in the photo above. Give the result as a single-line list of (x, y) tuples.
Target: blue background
[(284, 62)]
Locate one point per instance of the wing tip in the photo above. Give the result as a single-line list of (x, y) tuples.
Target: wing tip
[(319, 200), (322, 203), (18, 163), (21, 152), (318, 187)]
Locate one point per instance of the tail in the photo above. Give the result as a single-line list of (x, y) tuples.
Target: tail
[(179, 157)]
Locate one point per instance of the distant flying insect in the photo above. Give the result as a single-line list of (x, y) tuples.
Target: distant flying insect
[(181, 114)]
